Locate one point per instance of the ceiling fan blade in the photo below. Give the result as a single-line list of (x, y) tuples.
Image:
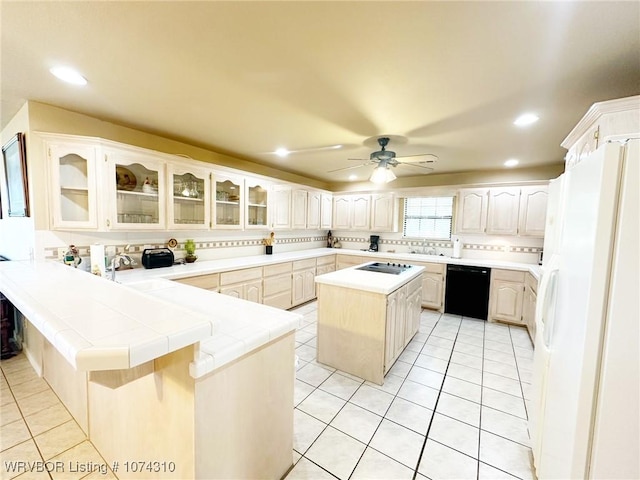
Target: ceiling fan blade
[(435, 157), (349, 168), (415, 165)]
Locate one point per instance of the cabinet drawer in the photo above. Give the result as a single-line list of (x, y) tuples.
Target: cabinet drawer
[(208, 282), (276, 284), (238, 276), (532, 283), (438, 268), (328, 260), (304, 264), (508, 275), (277, 269)]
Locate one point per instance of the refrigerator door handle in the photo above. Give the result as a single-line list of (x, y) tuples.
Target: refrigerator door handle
[(549, 308)]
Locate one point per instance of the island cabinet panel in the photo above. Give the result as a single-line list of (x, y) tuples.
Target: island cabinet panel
[(351, 335)]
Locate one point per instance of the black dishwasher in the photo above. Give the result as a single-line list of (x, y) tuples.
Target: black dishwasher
[(467, 291)]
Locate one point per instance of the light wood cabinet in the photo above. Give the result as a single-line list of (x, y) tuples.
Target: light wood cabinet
[(413, 311), (326, 211), (502, 211), (299, 203), (73, 174), (384, 208), (342, 212), (281, 207), (189, 197), (256, 213), (352, 212), (325, 264), (276, 285), (303, 286), (228, 210), (209, 282), (506, 296), (533, 211), (137, 188), (403, 320), (245, 284), (472, 211), (346, 261), (314, 210), (432, 285)]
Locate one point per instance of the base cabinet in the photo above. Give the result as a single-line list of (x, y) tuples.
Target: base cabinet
[(245, 284), (403, 320), (529, 305), (303, 287), (506, 296)]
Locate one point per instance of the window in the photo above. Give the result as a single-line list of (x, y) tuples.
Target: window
[(428, 217)]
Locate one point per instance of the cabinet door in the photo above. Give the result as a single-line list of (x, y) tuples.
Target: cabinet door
[(309, 284), (281, 207), (533, 211), (314, 208), (232, 290), (189, 192), (73, 185), (383, 212), (529, 312), (297, 288), (502, 213), (326, 210), (342, 212), (228, 210), (413, 310), (256, 211), (252, 291), (472, 210), (299, 209), (137, 186), (360, 212), (390, 330), (432, 286), (401, 320), (506, 301)]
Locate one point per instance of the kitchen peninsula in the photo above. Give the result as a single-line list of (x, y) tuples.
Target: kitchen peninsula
[(156, 371), (367, 315)]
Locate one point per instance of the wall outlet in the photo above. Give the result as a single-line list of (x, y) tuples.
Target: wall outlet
[(61, 252)]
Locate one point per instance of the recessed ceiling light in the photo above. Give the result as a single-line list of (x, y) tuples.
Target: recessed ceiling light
[(353, 177), (68, 75), (512, 162), (526, 119), (282, 152)]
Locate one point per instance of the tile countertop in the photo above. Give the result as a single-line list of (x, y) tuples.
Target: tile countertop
[(97, 324), (225, 265), (375, 282)]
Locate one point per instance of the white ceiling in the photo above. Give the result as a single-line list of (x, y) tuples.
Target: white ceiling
[(246, 78)]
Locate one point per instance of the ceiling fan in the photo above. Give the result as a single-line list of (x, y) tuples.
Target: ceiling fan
[(383, 159)]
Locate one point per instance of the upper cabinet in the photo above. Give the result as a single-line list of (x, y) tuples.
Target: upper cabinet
[(137, 189), (256, 209), (189, 193), (314, 210), (299, 210), (342, 212), (73, 185), (229, 198), (365, 212), (502, 211), (326, 211), (281, 206), (384, 212), (472, 211)]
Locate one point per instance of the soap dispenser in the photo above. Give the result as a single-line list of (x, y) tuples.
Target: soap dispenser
[(457, 248)]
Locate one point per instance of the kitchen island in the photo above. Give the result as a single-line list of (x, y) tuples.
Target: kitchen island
[(199, 383), (366, 318)]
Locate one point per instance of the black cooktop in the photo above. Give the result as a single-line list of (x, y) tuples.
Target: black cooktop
[(392, 268)]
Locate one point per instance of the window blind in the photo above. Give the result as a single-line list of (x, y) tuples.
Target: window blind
[(428, 217)]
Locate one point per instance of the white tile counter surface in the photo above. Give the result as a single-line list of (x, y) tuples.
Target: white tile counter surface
[(97, 324), (376, 282)]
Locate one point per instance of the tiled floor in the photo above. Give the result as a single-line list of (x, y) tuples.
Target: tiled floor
[(36, 427), (474, 375)]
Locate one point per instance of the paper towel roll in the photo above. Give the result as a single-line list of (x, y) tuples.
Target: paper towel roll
[(97, 259), (457, 248)]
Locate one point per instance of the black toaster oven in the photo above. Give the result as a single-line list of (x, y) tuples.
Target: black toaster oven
[(157, 257)]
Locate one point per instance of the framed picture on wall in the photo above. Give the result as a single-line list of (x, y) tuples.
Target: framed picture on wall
[(15, 169)]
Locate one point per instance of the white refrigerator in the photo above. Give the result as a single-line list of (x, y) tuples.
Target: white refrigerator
[(585, 409)]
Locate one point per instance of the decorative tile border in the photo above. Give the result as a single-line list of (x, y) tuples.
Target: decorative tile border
[(445, 244)]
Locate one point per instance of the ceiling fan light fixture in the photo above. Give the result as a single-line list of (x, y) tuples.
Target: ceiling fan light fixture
[(382, 175)]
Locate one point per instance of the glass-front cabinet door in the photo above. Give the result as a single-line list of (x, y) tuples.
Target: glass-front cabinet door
[(137, 186), (228, 202), (256, 206), (73, 177), (189, 193)]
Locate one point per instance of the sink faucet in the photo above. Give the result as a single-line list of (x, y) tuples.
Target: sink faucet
[(119, 260)]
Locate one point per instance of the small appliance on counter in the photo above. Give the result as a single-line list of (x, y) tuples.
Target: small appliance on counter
[(157, 257), (373, 243)]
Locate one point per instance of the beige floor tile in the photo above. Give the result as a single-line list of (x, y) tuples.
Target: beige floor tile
[(13, 364), (6, 396), (20, 376), (23, 452), (47, 419), (59, 439), (39, 474), (13, 433), (99, 475), (82, 454), (9, 413), (37, 402), (30, 387)]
